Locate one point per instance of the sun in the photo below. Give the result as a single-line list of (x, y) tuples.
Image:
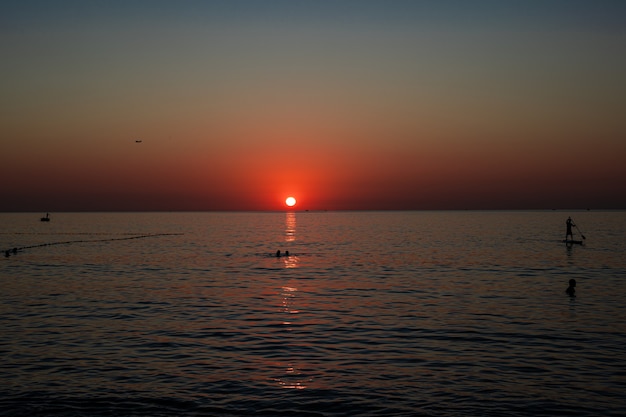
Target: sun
[(290, 201)]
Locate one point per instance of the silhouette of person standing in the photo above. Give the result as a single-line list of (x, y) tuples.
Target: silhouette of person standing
[(568, 230), (571, 290)]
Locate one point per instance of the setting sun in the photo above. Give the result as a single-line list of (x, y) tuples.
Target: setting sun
[(290, 201)]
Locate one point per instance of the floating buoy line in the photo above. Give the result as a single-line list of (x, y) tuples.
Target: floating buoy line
[(15, 250)]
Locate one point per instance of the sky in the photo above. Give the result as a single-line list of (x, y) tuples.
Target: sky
[(345, 105)]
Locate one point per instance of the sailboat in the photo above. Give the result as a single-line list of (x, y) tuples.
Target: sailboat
[(46, 219)]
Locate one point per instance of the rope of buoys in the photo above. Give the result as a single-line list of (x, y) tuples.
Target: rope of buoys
[(14, 251), (71, 233)]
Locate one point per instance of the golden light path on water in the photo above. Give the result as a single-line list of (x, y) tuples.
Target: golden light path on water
[(293, 376)]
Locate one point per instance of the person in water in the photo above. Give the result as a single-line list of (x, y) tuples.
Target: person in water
[(568, 228), (571, 290)]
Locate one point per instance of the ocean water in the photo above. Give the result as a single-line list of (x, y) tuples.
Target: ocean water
[(372, 314)]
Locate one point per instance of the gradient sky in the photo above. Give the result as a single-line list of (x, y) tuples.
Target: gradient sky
[(343, 104)]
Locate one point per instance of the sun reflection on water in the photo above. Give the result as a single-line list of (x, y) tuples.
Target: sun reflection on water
[(292, 379), (290, 260), (290, 226), (291, 376), (288, 295)]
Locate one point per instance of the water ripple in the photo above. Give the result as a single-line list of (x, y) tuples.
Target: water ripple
[(207, 322)]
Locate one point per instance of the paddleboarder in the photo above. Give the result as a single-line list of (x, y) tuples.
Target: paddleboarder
[(568, 231)]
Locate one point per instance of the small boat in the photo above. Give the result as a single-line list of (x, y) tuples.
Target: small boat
[(46, 219)]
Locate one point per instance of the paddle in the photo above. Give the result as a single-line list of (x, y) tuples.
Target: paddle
[(581, 233)]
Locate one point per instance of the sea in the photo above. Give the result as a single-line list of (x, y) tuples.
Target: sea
[(371, 313)]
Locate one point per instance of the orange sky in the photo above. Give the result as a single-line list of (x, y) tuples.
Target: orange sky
[(364, 105)]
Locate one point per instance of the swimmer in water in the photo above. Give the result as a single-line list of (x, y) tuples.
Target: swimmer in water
[(571, 290)]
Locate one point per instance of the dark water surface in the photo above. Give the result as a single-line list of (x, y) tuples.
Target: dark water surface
[(372, 314)]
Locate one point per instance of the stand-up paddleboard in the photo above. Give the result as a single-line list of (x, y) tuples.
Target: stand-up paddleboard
[(573, 242)]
